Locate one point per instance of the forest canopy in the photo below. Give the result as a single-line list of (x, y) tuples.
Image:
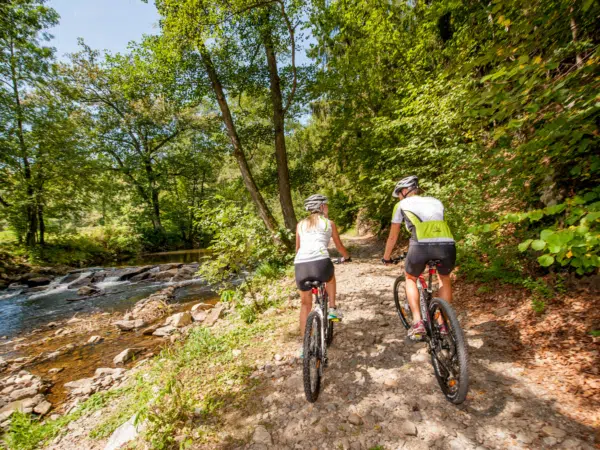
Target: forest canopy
[(212, 133)]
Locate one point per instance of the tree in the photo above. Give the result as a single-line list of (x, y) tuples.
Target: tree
[(235, 34), (136, 109), (24, 64)]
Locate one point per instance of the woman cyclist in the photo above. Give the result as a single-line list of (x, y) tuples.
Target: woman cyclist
[(312, 260), (430, 239)]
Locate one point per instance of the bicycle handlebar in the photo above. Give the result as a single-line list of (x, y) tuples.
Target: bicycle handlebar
[(341, 260), (395, 260)]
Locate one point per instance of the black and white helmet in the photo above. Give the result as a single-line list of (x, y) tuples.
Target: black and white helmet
[(314, 203), (411, 182)]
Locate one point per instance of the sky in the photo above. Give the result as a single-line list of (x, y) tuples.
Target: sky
[(103, 24)]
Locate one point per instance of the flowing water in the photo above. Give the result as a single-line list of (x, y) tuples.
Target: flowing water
[(23, 310)]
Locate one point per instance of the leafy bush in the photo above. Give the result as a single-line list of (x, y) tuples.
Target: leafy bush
[(569, 235), (240, 242)]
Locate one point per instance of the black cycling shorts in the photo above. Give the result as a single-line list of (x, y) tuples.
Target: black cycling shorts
[(320, 270), (420, 254)]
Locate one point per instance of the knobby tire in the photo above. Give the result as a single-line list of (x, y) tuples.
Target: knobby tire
[(460, 357), (312, 355), (405, 316)]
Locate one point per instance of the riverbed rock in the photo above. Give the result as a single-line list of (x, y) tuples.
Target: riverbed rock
[(214, 315), (128, 325), (151, 329), (164, 267), (125, 433), (165, 331), (201, 306), (43, 408), (55, 370), (179, 320), (199, 315), (95, 339), (145, 276), (84, 281), (97, 277), (88, 290), (154, 306), (185, 273), (38, 281), (126, 274), (166, 275), (126, 355)]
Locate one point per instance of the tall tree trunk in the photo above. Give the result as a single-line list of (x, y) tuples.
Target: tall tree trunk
[(154, 201), (42, 224), (238, 152), (283, 174), (30, 237)]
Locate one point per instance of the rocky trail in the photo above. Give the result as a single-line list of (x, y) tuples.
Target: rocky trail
[(380, 391)]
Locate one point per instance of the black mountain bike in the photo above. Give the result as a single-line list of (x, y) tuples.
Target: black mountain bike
[(318, 335), (448, 351)]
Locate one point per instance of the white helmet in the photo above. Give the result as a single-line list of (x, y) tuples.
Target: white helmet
[(411, 182), (314, 203)]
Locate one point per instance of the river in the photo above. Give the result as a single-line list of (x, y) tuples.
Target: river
[(22, 310)]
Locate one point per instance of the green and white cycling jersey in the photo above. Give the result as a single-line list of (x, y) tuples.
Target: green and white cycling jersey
[(424, 219)]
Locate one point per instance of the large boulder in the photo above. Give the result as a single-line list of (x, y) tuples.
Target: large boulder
[(164, 331), (97, 277), (145, 276), (126, 355), (164, 267), (38, 281), (179, 320), (166, 275), (129, 325), (87, 291), (126, 274), (153, 307), (83, 281), (214, 315)]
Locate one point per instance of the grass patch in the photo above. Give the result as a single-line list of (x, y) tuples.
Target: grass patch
[(182, 393)]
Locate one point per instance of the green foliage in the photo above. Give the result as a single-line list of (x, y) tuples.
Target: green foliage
[(239, 242), (569, 235)]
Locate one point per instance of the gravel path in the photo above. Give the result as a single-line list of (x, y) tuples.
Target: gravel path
[(380, 390)]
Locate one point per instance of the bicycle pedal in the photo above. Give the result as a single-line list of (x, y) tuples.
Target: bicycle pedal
[(336, 320)]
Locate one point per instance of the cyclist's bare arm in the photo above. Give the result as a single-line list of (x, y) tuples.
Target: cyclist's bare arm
[(297, 237), (338, 242), (391, 240)]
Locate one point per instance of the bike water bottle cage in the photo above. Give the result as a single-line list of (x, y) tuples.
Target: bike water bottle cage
[(431, 230)]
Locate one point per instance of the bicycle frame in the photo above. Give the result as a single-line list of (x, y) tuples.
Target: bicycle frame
[(425, 298), (320, 301)]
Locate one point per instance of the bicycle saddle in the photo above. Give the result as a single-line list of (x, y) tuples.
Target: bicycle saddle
[(313, 283), (434, 262)]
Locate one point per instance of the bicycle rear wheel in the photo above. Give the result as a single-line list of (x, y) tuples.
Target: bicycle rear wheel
[(402, 307), (449, 353), (313, 357)]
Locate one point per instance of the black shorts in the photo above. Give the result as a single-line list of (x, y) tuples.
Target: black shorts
[(320, 270), (419, 254)]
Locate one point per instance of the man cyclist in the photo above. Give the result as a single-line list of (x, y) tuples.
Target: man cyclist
[(430, 239)]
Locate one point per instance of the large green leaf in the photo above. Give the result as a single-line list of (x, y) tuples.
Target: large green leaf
[(538, 244), (524, 245), (546, 260)]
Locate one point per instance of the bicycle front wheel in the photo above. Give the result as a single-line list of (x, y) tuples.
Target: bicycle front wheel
[(402, 307), (448, 352), (313, 357)]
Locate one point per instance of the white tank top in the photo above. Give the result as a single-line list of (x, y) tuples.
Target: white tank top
[(313, 242)]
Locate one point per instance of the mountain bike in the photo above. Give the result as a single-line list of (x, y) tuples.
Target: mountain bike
[(318, 335), (448, 351)]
